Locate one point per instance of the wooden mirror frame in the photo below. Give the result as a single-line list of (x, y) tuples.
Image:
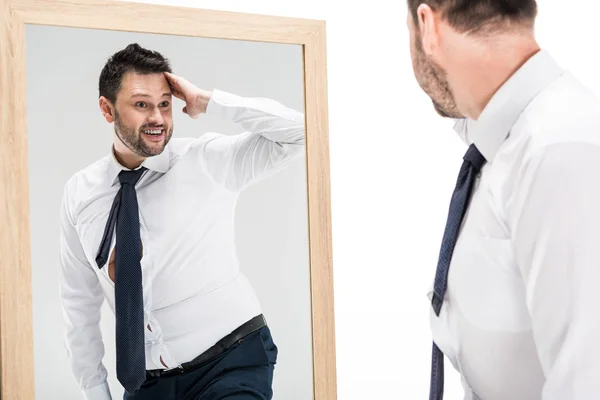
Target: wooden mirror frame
[(16, 325)]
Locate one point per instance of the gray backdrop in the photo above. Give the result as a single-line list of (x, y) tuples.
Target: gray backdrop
[(66, 132)]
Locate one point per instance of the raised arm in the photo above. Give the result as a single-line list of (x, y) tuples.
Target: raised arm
[(273, 137)]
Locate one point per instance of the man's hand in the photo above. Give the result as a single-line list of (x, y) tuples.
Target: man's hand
[(195, 98)]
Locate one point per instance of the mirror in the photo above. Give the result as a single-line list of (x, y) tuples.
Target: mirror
[(233, 213)]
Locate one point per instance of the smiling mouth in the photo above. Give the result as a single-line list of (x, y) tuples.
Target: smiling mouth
[(153, 132)]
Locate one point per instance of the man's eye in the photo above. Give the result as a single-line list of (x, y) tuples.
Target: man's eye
[(140, 104), (165, 104)]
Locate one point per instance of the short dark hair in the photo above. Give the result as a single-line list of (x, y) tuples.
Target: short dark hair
[(133, 58), (477, 16)]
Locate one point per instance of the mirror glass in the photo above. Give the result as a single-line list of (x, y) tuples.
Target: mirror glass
[(222, 210)]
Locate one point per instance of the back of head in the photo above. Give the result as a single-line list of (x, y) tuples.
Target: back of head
[(132, 58), (480, 16)]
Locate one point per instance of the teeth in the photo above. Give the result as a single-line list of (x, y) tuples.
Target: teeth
[(153, 131)]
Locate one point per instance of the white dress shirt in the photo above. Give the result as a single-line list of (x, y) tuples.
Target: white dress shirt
[(194, 292), (521, 317)]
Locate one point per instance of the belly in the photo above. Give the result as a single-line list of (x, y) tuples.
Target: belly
[(499, 365)]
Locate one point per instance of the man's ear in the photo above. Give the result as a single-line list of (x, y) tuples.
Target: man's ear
[(428, 27), (107, 109)]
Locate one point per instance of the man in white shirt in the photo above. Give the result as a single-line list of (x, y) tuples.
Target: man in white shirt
[(188, 324), (518, 316)]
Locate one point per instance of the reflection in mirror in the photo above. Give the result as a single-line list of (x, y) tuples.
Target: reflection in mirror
[(221, 211)]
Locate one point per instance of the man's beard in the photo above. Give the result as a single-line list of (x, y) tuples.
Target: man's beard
[(432, 79), (134, 141)]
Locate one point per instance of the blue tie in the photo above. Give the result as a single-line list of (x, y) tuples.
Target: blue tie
[(129, 305), (473, 162)]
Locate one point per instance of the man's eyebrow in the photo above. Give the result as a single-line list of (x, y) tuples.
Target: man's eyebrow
[(147, 95)]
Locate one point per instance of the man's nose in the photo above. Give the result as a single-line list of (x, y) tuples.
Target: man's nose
[(156, 117)]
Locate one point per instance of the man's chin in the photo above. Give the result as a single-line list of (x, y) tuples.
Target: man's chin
[(446, 114), (153, 152), (153, 148)]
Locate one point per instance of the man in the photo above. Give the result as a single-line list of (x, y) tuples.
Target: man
[(513, 303), (150, 228)]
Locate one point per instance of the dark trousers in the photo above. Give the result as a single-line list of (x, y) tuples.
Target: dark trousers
[(243, 372)]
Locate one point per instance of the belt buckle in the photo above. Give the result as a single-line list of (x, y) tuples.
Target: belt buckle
[(170, 371)]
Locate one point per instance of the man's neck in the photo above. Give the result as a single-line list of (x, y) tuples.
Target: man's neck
[(127, 159), (487, 69)]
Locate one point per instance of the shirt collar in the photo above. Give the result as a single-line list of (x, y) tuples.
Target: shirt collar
[(492, 127), (158, 163)]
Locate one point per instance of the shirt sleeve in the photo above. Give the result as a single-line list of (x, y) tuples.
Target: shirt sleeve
[(81, 298), (273, 138), (556, 233)]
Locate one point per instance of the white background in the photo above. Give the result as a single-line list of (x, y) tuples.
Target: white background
[(393, 167), (67, 132)]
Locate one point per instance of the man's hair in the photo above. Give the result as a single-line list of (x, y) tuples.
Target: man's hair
[(480, 16), (132, 58)]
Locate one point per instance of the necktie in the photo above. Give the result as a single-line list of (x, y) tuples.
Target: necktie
[(472, 164), (129, 306)]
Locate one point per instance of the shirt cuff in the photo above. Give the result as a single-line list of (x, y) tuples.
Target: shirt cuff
[(219, 99), (98, 392)]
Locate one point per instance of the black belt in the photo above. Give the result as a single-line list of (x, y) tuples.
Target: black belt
[(221, 346)]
